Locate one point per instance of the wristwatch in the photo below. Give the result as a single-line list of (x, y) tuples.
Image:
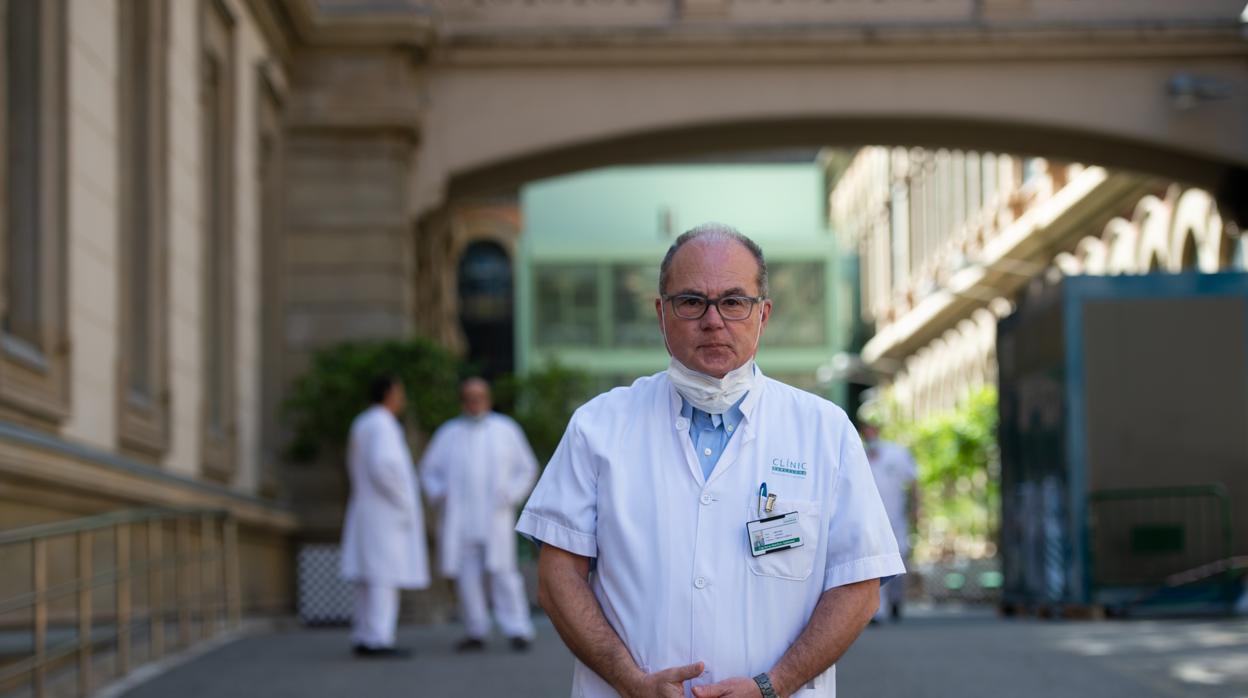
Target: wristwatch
[(764, 685)]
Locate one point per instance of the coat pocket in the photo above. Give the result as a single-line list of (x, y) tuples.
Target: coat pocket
[(795, 563)]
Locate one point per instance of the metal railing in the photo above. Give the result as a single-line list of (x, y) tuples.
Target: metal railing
[(171, 572)]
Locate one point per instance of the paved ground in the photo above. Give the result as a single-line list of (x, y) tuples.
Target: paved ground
[(933, 654), (976, 655)]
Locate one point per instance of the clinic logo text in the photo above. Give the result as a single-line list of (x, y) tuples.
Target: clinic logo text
[(785, 466)]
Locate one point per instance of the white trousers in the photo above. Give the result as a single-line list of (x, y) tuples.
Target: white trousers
[(511, 606), (376, 615)]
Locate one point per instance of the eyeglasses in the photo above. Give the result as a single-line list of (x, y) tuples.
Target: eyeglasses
[(689, 306)]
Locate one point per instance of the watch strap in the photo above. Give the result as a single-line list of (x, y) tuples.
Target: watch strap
[(764, 685)]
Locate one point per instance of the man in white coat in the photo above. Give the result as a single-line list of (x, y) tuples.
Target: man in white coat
[(895, 473), (383, 537), (735, 537), (478, 468)]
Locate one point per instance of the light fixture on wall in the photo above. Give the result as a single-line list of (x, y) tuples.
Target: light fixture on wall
[(1186, 90), (666, 224), (850, 368)]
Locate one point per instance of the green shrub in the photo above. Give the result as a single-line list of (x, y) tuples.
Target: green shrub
[(959, 478), (325, 400), (542, 401)]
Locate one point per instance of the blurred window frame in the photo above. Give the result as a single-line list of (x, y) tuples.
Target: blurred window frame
[(34, 339), (143, 385), (270, 175), (218, 83)]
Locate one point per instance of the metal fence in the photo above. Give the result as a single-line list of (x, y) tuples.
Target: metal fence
[(83, 601)]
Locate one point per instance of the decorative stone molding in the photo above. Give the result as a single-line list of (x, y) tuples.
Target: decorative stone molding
[(1180, 231)]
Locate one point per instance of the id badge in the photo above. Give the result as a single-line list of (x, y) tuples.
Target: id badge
[(773, 534)]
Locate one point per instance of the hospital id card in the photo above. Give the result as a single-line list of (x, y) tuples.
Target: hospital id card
[(773, 534)]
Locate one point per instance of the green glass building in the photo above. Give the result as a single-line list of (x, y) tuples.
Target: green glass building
[(588, 268)]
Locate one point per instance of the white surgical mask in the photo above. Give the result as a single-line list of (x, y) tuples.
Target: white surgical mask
[(711, 395)]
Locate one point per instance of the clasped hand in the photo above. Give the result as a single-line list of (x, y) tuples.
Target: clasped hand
[(669, 683)]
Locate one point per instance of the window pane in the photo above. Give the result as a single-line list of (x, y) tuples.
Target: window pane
[(484, 284), (138, 171), (216, 315), (567, 305), (23, 99), (636, 287), (799, 305), (485, 306)]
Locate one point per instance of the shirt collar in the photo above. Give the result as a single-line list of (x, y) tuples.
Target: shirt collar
[(732, 416)]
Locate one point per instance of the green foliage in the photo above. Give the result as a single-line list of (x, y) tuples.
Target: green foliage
[(325, 400), (958, 478), (542, 402), (334, 390)]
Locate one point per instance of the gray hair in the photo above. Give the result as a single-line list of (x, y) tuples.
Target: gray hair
[(715, 231)]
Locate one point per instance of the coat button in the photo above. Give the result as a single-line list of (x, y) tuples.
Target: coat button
[(700, 582), (706, 499), (682, 423)]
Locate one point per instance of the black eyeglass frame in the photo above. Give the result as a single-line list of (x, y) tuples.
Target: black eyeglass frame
[(754, 300)]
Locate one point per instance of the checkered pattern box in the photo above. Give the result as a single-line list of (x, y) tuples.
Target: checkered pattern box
[(324, 596)]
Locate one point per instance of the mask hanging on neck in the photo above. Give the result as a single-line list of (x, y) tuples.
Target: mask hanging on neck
[(711, 395)]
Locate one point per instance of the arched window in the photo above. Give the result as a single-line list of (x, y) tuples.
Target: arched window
[(486, 308)]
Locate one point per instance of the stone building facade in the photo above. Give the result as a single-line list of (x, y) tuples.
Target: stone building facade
[(948, 239), (199, 194)]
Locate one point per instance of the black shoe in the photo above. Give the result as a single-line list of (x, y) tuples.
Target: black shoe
[(469, 644), (520, 644), (367, 652)]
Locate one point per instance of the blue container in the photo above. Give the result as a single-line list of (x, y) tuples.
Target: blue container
[(1124, 442)]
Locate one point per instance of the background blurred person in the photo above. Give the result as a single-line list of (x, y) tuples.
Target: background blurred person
[(895, 475), (383, 537), (478, 469)]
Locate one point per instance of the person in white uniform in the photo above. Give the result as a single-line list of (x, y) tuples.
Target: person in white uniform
[(383, 536), (709, 531), (478, 469), (895, 474)]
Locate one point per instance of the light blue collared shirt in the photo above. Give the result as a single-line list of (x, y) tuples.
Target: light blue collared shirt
[(710, 433)]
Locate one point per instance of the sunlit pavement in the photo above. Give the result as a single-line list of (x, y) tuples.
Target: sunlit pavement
[(937, 653), (973, 653)]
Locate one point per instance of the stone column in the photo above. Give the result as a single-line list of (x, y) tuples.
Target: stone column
[(352, 135)]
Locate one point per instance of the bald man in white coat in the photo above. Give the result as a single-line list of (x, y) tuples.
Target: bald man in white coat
[(383, 537), (479, 468)]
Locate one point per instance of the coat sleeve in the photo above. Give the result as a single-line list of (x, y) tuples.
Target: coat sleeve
[(384, 467), (522, 470), (433, 466), (563, 509), (861, 544)]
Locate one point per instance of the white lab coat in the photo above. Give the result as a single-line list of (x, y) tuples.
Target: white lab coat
[(674, 573), (895, 471), (383, 537), (479, 472)]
